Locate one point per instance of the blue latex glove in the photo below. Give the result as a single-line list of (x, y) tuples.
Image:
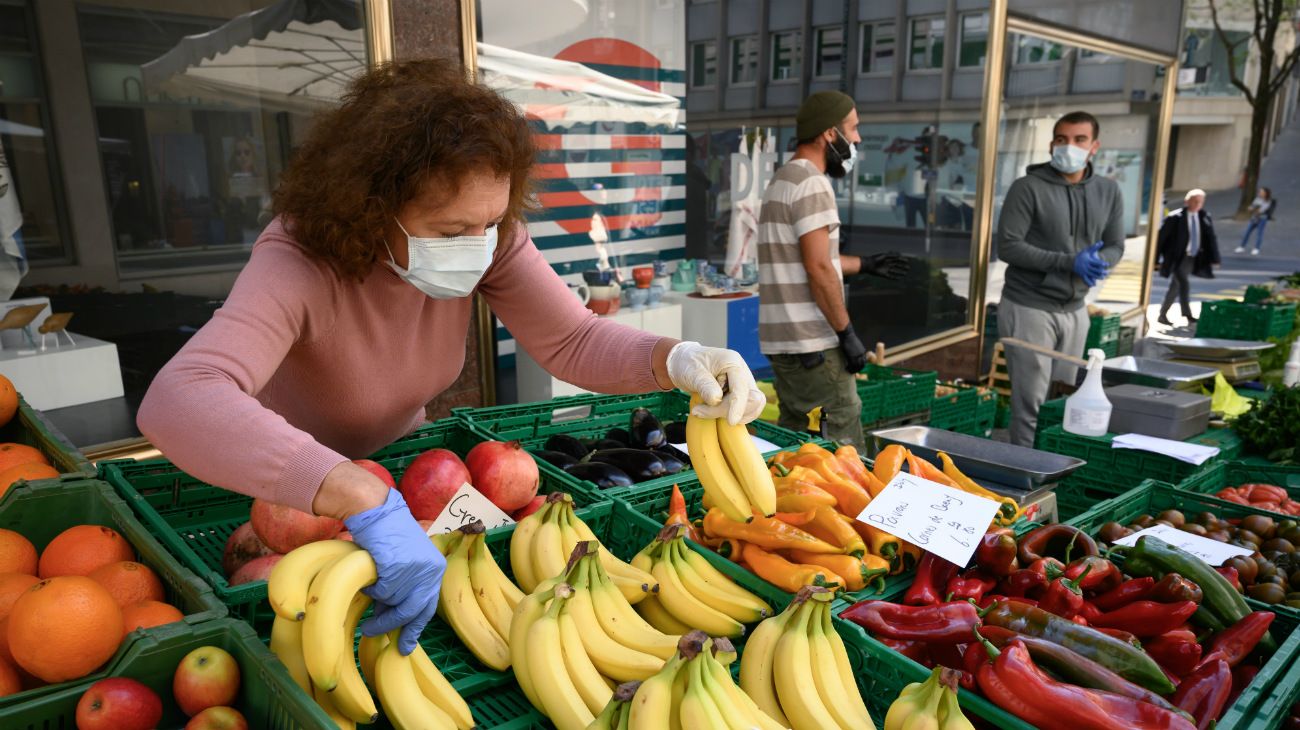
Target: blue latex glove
[(410, 570), (1089, 266)]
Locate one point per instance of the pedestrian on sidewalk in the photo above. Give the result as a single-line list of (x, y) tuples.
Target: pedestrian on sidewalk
[(1187, 245), (1062, 228), (1261, 212)]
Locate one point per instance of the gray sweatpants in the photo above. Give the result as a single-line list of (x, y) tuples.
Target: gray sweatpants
[(1031, 374)]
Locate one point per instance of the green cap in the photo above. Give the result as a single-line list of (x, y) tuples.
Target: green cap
[(820, 112)]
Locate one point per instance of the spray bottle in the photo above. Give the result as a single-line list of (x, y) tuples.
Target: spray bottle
[(1087, 412), (1291, 371)]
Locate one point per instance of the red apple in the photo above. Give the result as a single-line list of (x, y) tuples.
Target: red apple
[(206, 677), (431, 481), (217, 718), (118, 703), (504, 473), (379, 471), (533, 505), (285, 528), (258, 569), (243, 546)]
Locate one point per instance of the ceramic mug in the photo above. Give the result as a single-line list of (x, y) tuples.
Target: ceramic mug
[(582, 292), (597, 277)]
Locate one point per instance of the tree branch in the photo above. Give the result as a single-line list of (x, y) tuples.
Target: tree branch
[(1284, 71), (1232, 66)]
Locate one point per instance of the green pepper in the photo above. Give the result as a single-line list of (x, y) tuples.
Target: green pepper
[(1120, 657)]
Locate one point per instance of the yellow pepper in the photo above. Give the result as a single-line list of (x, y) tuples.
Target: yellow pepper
[(1008, 512)]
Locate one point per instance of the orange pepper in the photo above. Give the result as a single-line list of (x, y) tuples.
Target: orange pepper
[(798, 519), (830, 526), (766, 532), (881, 544), (782, 573), (889, 462), (853, 572), (851, 463), (677, 514), (779, 458), (802, 493), (924, 469), (911, 555), (851, 498), (809, 447)]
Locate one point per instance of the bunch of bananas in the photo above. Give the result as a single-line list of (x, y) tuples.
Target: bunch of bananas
[(731, 470), (797, 670), (315, 592), (576, 635), (929, 705), (477, 598), (543, 541), (692, 593), (694, 690)]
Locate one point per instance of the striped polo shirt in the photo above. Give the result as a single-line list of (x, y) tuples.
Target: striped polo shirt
[(799, 199)]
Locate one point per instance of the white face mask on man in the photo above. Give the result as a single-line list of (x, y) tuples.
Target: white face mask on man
[(445, 268), (1068, 159)]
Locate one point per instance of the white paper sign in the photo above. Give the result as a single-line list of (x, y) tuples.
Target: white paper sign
[(764, 446), (945, 521), (465, 506), (1211, 551)]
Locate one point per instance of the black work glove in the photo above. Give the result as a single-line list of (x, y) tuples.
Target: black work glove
[(889, 265), (855, 353)]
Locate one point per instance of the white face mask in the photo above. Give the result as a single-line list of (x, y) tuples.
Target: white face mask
[(446, 268), (1068, 159), (846, 163)]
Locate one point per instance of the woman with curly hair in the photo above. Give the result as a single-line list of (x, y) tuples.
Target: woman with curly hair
[(353, 309)]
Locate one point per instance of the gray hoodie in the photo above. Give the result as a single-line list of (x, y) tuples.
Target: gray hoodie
[(1045, 221)]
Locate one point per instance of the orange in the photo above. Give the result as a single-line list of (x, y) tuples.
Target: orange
[(30, 471), (148, 614), (17, 554), (12, 454), (9, 681), (8, 400), (128, 582), (79, 550), (13, 585), (64, 628)]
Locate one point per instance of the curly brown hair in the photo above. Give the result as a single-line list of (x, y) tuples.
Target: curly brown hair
[(400, 126)]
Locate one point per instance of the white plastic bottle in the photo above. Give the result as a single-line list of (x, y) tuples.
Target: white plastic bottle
[(1087, 412), (1291, 371)]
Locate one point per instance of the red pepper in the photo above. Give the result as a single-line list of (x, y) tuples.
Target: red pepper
[(948, 655), (1175, 653), (1102, 574), (971, 585), (1242, 676), (1233, 577), (1237, 641), (1134, 589), (1024, 583), (992, 598), (1063, 596), (945, 622), (1145, 619), (1043, 565), (1123, 636), (1174, 588), (1205, 693), (932, 576), (1089, 611), (1057, 541), (996, 552), (917, 651)]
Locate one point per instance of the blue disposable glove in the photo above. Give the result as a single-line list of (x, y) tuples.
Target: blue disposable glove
[(1089, 266), (410, 570)]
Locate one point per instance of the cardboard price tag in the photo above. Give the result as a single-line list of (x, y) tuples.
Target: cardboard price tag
[(939, 519), (465, 506), (1212, 552), (764, 446)]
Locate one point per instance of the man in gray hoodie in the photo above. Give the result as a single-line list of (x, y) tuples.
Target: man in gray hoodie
[(1060, 231)]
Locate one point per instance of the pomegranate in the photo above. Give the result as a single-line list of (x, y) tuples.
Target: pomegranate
[(533, 505), (284, 528), (504, 473), (256, 569), (431, 481), (242, 546), (376, 469)]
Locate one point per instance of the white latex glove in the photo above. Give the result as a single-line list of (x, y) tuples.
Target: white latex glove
[(698, 369)]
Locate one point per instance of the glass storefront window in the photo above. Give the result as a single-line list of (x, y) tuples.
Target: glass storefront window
[(830, 52), (1029, 50), (744, 59), (704, 64), (787, 56), (974, 40), (1205, 67), (926, 49), (877, 48), (26, 146)]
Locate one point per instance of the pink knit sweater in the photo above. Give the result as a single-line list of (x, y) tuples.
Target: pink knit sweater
[(300, 370)]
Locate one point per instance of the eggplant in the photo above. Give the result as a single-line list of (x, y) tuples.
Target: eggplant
[(620, 435), (638, 464), (566, 444), (556, 458), (670, 460), (603, 444), (646, 431), (602, 475), (674, 452), (675, 431)]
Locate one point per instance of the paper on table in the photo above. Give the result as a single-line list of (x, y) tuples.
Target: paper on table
[(764, 446), (1180, 450), (934, 517), (1211, 551), (465, 506)]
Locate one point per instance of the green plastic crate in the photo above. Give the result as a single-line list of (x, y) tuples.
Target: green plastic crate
[(1102, 329), (872, 395), (1079, 493), (1051, 413), (905, 391), (1256, 293), (1131, 466), (193, 519), (268, 697), (1236, 473), (592, 416), (1241, 321), (29, 426), (986, 413), (954, 411), (1127, 336), (41, 510)]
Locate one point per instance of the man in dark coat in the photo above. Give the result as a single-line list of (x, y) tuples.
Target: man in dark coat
[(1187, 246)]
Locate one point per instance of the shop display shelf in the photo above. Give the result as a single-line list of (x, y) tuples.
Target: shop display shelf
[(30, 427), (591, 416), (193, 519), (1242, 321), (1236, 473), (41, 510), (1131, 466)]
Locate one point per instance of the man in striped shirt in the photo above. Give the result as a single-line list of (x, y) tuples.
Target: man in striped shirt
[(803, 323)]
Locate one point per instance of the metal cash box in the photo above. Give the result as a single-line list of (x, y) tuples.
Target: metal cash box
[(1169, 414)]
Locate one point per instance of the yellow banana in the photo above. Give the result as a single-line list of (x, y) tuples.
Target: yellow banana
[(351, 696), (698, 711), (950, 714), (657, 616), (530, 609), (633, 582), (461, 610), (715, 589), (439, 691), (843, 668), (719, 483), (404, 704), (652, 705), (592, 687), (329, 597), (824, 676), (688, 609), (521, 549), (614, 660), (445, 541), (286, 645), (917, 709), (757, 664), (326, 703), (490, 587), (621, 622), (799, 697), (748, 466), (738, 705), (553, 685), (549, 557), (367, 651), (290, 579)]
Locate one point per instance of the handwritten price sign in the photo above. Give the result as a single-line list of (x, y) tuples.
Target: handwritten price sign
[(939, 519), (465, 506)]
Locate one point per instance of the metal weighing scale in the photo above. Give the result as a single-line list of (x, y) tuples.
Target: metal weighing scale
[(1238, 360)]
